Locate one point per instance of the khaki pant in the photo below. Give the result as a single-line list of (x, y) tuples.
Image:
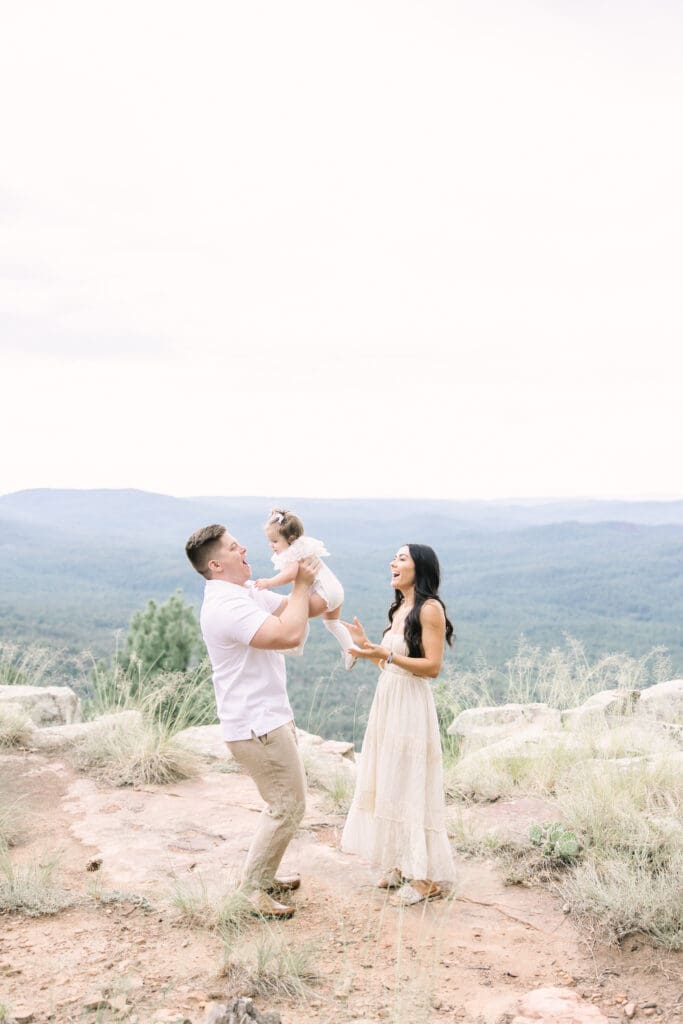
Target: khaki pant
[(274, 763)]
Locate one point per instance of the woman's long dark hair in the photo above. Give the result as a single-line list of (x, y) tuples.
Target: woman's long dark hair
[(427, 580)]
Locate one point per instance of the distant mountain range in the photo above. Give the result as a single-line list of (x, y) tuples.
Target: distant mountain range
[(75, 565)]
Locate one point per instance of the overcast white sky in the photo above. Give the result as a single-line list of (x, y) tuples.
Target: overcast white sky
[(367, 247)]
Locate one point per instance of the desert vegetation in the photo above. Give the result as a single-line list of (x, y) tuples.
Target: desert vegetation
[(612, 783), (607, 843)]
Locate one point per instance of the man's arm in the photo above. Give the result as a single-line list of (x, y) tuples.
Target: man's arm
[(287, 626)]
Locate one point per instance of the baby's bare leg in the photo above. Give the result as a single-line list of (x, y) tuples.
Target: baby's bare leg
[(317, 605)]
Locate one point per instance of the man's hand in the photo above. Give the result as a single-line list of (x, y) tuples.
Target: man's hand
[(308, 570)]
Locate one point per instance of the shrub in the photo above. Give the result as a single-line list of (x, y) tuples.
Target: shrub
[(134, 754), (613, 898), (16, 729), (30, 888)]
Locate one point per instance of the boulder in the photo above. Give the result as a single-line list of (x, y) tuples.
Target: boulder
[(557, 1006), (45, 705), (327, 761), (342, 747), (663, 701), (205, 740), (59, 737), (600, 708), (486, 773), (481, 726)]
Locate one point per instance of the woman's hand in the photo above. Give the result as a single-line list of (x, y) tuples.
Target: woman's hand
[(374, 652), (363, 648), (357, 632)]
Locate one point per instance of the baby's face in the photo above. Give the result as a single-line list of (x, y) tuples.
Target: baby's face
[(277, 543)]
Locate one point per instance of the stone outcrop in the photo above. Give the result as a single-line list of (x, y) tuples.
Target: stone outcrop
[(600, 707), (326, 760), (44, 705), (61, 737), (557, 1006), (205, 740), (483, 774), (481, 726), (663, 701)]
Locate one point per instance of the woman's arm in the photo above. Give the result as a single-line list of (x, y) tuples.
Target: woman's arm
[(286, 576), (433, 623)]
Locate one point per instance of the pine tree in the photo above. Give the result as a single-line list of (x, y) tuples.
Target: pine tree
[(164, 637)]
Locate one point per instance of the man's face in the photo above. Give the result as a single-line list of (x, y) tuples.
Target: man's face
[(229, 562)]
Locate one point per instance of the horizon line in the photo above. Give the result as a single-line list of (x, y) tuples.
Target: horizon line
[(505, 500)]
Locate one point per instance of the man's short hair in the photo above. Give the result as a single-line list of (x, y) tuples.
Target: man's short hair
[(202, 546)]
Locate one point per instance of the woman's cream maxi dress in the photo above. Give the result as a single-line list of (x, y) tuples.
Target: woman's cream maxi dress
[(397, 818)]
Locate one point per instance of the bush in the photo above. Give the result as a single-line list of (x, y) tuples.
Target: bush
[(16, 729), (163, 637), (134, 754), (613, 898), (30, 888)]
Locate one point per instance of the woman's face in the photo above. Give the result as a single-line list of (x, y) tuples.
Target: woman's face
[(402, 569)]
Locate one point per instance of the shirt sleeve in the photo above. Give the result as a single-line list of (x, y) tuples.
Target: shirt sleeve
[(268, 600), (237, 620)]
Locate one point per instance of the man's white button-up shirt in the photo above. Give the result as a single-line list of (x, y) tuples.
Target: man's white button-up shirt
[(250, 684)]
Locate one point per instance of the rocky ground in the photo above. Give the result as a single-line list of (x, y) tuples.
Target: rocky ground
[(120, 952)]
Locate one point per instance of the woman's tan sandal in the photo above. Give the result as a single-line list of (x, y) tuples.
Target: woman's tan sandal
[(391, 880), (408, 895)]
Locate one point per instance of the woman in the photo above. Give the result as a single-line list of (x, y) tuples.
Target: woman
[(397, 818)]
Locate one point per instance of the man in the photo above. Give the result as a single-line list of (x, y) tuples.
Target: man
[(245, 630)]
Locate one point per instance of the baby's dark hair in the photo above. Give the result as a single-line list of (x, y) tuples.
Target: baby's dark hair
[(288, 524)]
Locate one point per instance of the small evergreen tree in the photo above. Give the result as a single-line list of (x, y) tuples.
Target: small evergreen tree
[(163, 637)]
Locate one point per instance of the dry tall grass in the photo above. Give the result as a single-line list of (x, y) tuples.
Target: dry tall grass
[(258, 958), (16, 728), (616, 785), (26, 665), (30, 888), (12, 822), (134, 753)]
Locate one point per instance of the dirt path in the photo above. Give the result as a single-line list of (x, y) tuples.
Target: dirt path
[(464, 959)]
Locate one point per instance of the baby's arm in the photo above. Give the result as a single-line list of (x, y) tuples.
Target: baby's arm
[(286, 576)]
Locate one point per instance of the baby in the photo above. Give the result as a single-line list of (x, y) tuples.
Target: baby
[(289, 543)]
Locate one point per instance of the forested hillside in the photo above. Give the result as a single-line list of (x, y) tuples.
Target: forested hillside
[(75, 565)]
